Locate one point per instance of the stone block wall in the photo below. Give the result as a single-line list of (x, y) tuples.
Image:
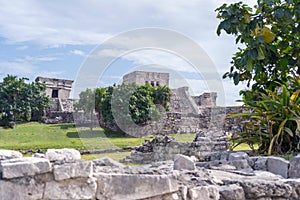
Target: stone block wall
[(164, 148), (61, 174)]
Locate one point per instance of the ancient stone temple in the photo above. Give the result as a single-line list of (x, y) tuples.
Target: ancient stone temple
[(56, 88), (61, 106), (152, 78)]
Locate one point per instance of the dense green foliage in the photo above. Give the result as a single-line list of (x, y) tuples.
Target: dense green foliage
[(269, 61), (129, 102), (86, 102), (271, 38), (20, 100), (273, 121)]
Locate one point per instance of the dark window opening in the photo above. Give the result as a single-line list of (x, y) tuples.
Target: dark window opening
[(54, 93), (152, 83), (157, 83)]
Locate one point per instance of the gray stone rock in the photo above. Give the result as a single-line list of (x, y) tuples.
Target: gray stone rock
[(256, 189), (237, 156), (81, 188), (64, 155), (209, 192), (39, 155), (240, 164), (106, 161), (278, 166), (294, 170), (295, 184), (182, 162), (261, 164), (9, 154), (20, 167), (79, 169), (26, 188), (231, 192), (134, 186)]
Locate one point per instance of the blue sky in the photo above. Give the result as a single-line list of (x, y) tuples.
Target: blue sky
[(55, 38)]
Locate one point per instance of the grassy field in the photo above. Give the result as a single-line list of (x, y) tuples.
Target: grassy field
[(33, 136), (43, 136)]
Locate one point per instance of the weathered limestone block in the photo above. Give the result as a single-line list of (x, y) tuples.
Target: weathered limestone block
[(238, 156), (209, 192), (255, 189), (240, 164), (106, 161), (231, 192), (295, 184), (133, 186), (20, 167), (79, 169), (258, 163), (26, 188), (294, 170), (9, 154), (182, 162), (278, 166), (64, 155), (80, 188)]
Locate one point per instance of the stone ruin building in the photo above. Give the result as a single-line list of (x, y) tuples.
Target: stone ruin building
[(61, 106), (142, 78), (56, 88), (187, 114)]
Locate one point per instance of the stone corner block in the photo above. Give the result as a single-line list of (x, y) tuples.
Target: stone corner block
[(134, 186), (64, 155), (277, 165), (25, 188), (20, 167), (82, 188), (230, 192), (209, 192), (9, 154), (294, 170), (79, 169), (238, 156), (182, 162)]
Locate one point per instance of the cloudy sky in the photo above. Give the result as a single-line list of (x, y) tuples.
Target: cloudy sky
[(57, 38)]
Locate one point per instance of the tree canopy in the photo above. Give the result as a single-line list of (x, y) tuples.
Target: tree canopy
[(270, 34), (20, 100), (269, 61), (128, 101)]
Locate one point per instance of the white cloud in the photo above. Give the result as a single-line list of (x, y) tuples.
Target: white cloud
[(57, 23), (82, 22), (78, 52), (36, 59), (21, 48), (25, 69)]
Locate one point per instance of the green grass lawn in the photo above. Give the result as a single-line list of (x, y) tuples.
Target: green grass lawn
[(44, 136), (35, 135)]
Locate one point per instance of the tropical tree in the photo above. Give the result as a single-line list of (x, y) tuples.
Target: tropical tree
[(20, 100), (86, 102), (269, 62), (270, 35)]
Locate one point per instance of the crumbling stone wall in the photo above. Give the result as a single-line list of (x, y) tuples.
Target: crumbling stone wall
[(61, 174), (163, 148)]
